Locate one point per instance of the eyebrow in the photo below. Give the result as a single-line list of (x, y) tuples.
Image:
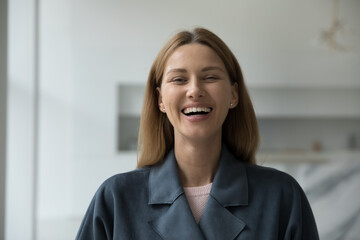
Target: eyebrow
[(212, 68), (182, 70)]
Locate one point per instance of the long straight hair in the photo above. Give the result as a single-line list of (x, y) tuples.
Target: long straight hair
[(156, 134)]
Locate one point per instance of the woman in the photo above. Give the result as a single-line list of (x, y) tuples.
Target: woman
[(196, 176)]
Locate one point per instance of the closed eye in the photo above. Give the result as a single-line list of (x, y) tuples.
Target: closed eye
[(211, 77), (178, 80)]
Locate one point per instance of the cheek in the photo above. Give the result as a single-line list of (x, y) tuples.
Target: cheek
[(170, 95), (224, 97), (169, 100)]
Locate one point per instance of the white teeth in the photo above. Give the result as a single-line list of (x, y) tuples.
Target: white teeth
[(196, 109)]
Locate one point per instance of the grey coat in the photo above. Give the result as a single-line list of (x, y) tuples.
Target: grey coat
[(246, 202)]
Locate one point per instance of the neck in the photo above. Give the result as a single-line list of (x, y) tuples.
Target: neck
[(197, 161)]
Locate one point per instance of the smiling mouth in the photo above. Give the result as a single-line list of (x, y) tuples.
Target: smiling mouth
[(196, 111)]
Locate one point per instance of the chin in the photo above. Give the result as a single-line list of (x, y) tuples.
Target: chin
[(200, 136)]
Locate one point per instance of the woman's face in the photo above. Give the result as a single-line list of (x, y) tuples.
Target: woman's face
[(196, 93)]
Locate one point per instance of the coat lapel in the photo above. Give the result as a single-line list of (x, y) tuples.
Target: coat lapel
[(218, 223), (177, 222), (230, 189)]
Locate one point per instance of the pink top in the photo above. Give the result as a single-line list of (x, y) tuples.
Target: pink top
[(197, 198)]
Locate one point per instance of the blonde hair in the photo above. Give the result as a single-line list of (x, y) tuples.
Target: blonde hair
[(156, 134)]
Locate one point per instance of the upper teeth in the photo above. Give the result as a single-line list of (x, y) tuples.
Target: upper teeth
[(196, 109)]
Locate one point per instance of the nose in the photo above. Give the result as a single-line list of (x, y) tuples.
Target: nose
[(195, 89)]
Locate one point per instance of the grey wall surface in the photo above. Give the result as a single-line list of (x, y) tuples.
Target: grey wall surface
[(3, 97)]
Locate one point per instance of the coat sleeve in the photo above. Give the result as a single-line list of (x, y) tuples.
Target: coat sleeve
[(301, 224), (98, 220)]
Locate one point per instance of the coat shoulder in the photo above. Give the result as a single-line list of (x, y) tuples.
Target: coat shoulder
[(124, 182), (117, 198), (283, 195)]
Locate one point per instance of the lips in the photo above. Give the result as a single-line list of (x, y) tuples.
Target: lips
[(190, 111)]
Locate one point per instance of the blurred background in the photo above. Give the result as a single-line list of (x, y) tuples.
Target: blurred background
[(72, 80)]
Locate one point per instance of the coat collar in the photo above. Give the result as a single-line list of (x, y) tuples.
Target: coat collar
[(230, 188), (164, 182)]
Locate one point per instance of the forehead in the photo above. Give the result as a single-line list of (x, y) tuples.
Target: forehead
[(194, 55)]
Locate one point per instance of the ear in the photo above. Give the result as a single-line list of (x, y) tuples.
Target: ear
[(234, 95), (160, 102)]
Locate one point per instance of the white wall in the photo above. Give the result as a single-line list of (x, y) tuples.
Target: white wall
[(3, 107), (56, 109), (21, 162)]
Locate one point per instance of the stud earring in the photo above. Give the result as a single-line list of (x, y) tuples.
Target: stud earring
[(231, 104), (163, 109)]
